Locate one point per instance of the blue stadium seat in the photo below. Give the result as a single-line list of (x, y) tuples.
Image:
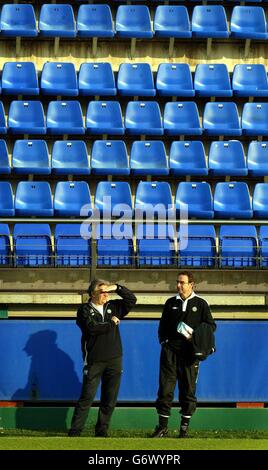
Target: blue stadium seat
[(113, 199), (187, 158), (57, 21), (4, 161), (174, 80), (72, 198), (95, 21), (6, 200), (69, 157), (133, 21), (65, 117), (32, 245), (237, 246), (181, 118), (209, 22), (143, 117), (33, 198), (257, 158), (31, 156), (212, 80), (3, 127), (263, 244), (196, 198), (227, 158), (172, 21), (96, 79), (59, 78), (221, 119), (18, 20), (232, 201), (135, 80), (148, 158), (115, 249), (248, 22), (19, 78), (104, 117), (109, 158), (154, 198), (197, 246), (250, 80), (255, 119), (155, 245), (5, 251), (26, 117), (260, 201), (71, 249)]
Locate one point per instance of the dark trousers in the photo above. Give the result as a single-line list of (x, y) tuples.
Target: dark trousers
[(173, 367), (109, 373)]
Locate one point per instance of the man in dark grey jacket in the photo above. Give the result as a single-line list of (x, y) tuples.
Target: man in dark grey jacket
[(102, 352), (182, 314)]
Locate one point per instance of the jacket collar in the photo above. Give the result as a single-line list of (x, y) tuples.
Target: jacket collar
[(185, 301)]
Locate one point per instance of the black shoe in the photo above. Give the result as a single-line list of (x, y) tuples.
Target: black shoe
[(101, 433), (73, 433), (183, 433), (160, 432)]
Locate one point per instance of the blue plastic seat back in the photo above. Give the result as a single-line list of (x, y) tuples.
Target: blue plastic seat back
[(97, 79), (257, 160), (212, 79), (26, 117), (174, 80), (32, 245), (197, 246), (248, 22), (209, 21), (263, 244), (250, 80), (3, 127), (227, 158), (255, 118), (72, 198), (143, 117), (71, 249), (113, 199), (115, 245), (182, 118), (95, 21), (5, 252), (153, 198), (59, 78), (18, 20), (104, 117), (133, 21), (232, 200), (238, 246), (260, 200), (155, 244), (221, 119), (6, 200), (194, 199), (31, 156), (20, 78), (4, 160), (187, 158), (109, 157), (65, 117), (135, 80), (172, 21), (57, 20), (148, 157), (69, 157), (33, 199)]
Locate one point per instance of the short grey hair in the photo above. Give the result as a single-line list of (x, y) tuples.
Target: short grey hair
[(95, 284)]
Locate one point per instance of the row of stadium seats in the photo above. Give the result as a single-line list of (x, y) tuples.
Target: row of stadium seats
[(239, 246), (231, 200), (146, 157), (133, 21), (141, 118), (135, 79)]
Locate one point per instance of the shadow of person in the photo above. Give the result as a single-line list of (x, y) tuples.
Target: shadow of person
[(51, 377)]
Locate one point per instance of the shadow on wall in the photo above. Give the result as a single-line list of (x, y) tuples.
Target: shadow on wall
[(51, 377)]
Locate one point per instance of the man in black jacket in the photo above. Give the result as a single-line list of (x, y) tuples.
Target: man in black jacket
[(182, 314), (102, 352)]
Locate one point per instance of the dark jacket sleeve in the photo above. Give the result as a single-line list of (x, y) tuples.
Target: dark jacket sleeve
[(162, 334), (207, 317), (88, 324), (124, 305)]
